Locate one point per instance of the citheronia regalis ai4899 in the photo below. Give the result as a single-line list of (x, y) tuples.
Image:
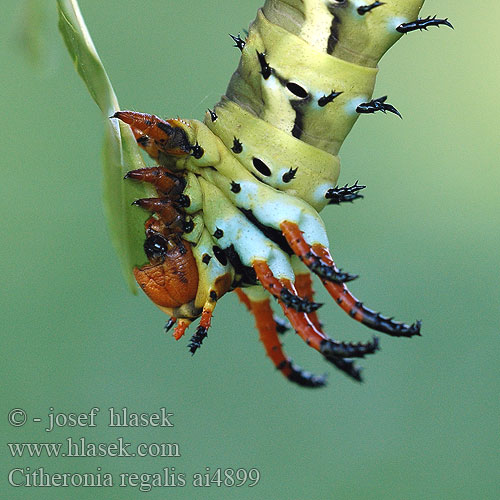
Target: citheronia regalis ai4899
[(238, 194)]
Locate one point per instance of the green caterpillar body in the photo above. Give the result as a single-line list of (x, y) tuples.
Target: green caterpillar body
[(259, 113), (264, 163)]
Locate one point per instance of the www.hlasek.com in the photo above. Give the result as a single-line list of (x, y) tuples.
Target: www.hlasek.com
[(81, 447)]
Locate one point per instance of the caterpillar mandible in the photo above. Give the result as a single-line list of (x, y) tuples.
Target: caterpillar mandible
[(238, 195)]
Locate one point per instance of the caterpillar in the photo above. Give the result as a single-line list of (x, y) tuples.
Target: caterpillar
[(238, 194)]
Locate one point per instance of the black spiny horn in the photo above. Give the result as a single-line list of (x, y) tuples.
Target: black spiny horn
[(423, 24), (377, 105), (338, 195), (238, 41)]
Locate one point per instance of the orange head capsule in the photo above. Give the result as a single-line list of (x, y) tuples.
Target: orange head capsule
[(171, 278)]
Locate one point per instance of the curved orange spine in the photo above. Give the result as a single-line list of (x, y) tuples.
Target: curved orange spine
[(300, 321), (339, 291), (266, 326), (303, 284), (243, 298)]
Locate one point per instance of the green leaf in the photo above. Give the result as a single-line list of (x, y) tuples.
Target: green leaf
[(120, 151)]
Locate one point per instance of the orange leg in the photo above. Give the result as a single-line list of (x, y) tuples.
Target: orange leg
[(202, 330), (168, 136), (266, 325), (146, 143), (303, 325), (169, 214), (338, 290), (181, 328), (221, 285), (162, 179)]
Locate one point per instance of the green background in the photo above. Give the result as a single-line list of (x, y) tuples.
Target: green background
[(425, 241)]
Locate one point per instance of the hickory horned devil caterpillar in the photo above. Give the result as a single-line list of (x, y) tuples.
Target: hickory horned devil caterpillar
[(238, 195)]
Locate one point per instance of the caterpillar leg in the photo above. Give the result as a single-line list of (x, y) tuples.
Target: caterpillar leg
[(161, 178), (302, 323), (156, 135), (180, 329), (218, 288), (202, 330), (312, 255)]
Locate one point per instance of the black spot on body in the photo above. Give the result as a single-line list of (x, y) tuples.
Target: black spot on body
[(334, 28), (184, 201), (269, 232), (188, 226), (235, 187), (246, 274), (297, 90), (213, 295), (298, 124), (261, 167), (219, 233), (197, 151), (367, 8), (220, 255), (177, 137), (206, 258)]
